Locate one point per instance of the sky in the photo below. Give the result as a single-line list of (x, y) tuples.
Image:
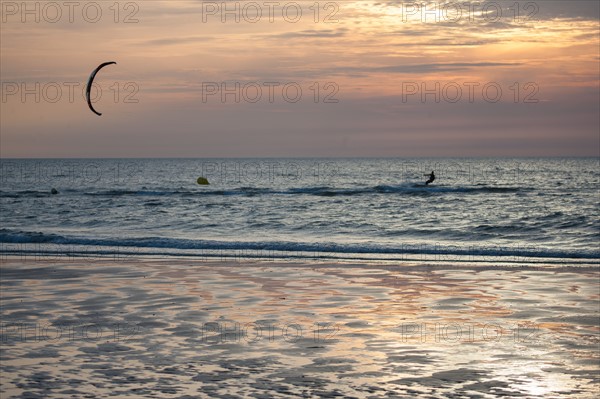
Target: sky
[(300, 78)]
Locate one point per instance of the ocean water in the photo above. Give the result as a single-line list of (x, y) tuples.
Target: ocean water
[(508, 211)]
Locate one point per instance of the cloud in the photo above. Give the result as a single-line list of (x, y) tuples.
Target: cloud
[(176, 40), (312, 33), (427, 68), (536, 10), (452, 42)]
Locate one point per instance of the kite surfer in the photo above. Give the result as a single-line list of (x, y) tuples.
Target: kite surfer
[(431, 178)]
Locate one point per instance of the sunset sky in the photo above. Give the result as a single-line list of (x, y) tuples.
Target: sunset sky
[(365, 57)]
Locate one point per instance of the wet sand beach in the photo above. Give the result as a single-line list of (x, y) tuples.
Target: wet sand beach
[(184, 329)]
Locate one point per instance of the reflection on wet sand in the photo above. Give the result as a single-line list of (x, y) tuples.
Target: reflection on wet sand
[(182, 329)]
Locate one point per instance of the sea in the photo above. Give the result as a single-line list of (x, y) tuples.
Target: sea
[(488, 211)]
